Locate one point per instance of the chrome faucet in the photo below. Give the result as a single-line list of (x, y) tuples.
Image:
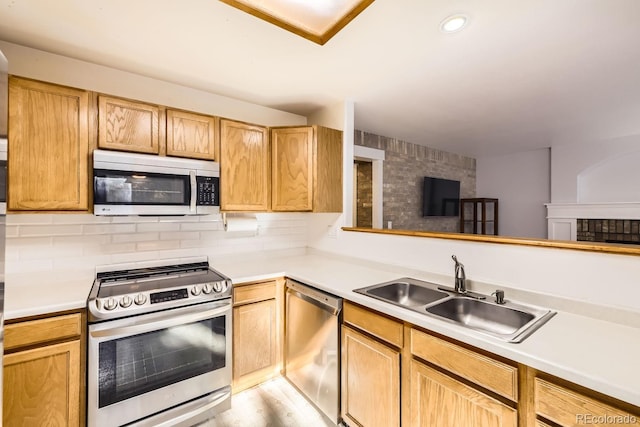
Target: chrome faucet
[(460, 278), (460, 283)]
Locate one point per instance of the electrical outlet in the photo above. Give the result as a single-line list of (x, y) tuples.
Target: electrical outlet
[(333, 232)]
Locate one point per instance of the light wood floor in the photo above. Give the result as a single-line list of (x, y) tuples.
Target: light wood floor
[(275, 403)]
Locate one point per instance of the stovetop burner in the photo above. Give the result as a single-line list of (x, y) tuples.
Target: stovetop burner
[(133, 291), (141, 273)]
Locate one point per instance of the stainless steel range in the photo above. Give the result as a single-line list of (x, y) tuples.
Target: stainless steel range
[(159, 345)]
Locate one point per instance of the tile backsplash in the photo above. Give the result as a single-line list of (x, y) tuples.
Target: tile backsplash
[(63, 242)]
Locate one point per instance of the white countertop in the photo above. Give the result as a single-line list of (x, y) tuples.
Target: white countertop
[(596, 354)]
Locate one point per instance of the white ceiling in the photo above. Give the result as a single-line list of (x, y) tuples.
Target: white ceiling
[(524, 74)]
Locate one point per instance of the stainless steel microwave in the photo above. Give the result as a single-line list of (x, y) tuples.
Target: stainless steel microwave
[(145, 184)]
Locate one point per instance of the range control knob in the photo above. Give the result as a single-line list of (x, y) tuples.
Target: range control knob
[(110, 304), (140, 299), (126, 301), (195, 291), (219, 287), (207, 288)]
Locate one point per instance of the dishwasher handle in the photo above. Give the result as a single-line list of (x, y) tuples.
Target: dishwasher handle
[(321, 299)]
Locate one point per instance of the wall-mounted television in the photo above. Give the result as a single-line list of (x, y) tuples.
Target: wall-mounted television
[(440, 197)]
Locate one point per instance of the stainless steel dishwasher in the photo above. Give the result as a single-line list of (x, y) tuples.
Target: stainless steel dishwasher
[(312, 346)]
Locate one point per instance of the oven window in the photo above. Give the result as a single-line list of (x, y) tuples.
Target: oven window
[(135, 365), (127, 188)]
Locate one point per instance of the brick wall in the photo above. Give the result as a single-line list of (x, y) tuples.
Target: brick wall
[(405, 166)]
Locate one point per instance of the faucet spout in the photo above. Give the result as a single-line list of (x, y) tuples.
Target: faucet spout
[(460, 285)]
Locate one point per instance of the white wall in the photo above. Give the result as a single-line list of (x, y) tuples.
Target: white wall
[(339, 116), (40, 65), (614, 179), (570, 160), (601, 279), (522, 183)]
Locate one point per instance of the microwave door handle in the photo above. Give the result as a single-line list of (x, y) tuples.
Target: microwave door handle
[(194, 191)]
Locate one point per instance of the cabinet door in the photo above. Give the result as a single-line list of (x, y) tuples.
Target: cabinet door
[(42, 386), (292, 169), (438, 400), (255, 342), (48, 146), (370, 381), (127, 125), (244, 167), (191, 135), (327, 191)]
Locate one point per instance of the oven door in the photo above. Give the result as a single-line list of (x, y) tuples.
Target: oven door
[(143, 365)]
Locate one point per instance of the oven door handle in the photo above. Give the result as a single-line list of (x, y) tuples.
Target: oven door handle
[(167, 320)]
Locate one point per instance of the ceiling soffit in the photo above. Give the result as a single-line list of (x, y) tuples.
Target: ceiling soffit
[(317, 21)]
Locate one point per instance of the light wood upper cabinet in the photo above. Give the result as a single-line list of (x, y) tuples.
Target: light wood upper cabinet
[(128, 125), (244, 167), (306, 169), (438, 400), (43, 374), (191, 135), (49, 144), (292, 170), (327, 172)]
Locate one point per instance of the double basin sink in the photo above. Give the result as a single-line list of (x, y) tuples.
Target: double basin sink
[(507, 321)]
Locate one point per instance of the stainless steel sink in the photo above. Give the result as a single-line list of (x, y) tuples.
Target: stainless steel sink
[(406, 294), (510, 321)]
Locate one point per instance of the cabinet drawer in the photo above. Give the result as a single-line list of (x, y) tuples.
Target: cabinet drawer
[(244, 294), (477, 368), (376, 324), (42, 330), (567, 407)]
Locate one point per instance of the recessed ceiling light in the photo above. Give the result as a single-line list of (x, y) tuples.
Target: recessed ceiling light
[(453, 23)]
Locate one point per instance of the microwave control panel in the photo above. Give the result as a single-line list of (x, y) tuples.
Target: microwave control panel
[(208, 191)]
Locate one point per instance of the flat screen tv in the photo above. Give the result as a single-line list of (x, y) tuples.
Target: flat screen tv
[(440, 197)]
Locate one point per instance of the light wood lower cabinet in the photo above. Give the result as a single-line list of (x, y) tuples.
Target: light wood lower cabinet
[(257, 334), (567, 407), (370, 377), (486, 371), (370, 381), (437, 400), (43, 375)]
